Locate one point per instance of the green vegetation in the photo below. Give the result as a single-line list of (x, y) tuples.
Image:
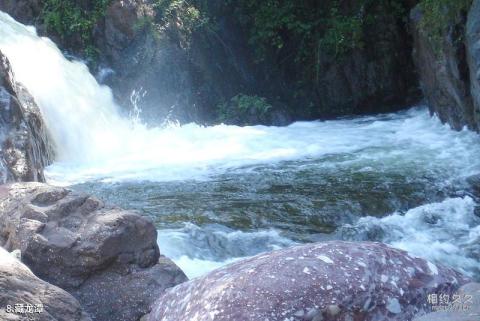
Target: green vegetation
[(273, 22), (438, 15), (303, 32), (179, 15), (74, 23), (343, 33), (180, 11), (241, 106)]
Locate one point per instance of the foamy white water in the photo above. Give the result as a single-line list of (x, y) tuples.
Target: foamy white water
[(447, 232), (94, 142), (199, 250)]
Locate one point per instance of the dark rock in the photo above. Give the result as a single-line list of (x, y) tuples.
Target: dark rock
[(184, 74), (474, 182), (106, 257), (126, 295), (324, 281), (18, 285), (466, 308), (25, 146), (444, 73), (25, 11), (187, 80)]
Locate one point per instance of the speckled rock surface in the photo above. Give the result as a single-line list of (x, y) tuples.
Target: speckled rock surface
[(106, 257), (19, 286), (325, 281)]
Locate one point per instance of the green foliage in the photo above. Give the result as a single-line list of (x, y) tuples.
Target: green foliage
[(343, 33), (307, 31), (181, 14), (438, 15), (69, 20), (241, 106)]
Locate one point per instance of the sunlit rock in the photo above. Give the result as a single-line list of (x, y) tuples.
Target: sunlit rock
[(323, 281), (106, 257), (24, 144), (23, 296)]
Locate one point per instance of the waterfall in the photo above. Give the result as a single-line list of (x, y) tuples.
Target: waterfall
[(81, 115), (93, 139)]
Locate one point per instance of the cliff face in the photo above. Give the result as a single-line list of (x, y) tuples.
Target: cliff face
[(448, 67), (190, 73), (209, 71), (25, 147), (443, 72)]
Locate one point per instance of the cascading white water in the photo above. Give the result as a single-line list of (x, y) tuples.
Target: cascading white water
[(94, 142), (80, 114), (92, 137)]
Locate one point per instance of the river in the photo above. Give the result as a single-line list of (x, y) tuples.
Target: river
[(221, 193)]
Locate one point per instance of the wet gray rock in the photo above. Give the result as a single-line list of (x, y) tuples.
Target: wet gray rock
[(25, 145), (474, 184), (18, 285), (470, 310), (106, 257), (323, 281), (444, 72)]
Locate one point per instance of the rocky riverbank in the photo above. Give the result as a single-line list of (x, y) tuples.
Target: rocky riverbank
[(79, 259), (105, 257), (102, 263)]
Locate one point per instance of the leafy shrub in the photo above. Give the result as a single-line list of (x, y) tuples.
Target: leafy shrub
[(343, 33), (303, 32), (69, 20), (185, 17), (244, 109)]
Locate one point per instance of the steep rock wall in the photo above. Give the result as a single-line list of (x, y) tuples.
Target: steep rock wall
[(25, 146), (186, 74), (449, 68)]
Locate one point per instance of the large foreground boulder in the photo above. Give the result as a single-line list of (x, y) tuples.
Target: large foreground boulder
[(24, 144), (33, 298), (107, 258), (325, 281)]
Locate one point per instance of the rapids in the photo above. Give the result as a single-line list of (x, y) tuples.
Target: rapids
[(221, 193)]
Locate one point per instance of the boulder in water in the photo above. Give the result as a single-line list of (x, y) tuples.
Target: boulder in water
[(39, 300), (106, 257), (324, 281)]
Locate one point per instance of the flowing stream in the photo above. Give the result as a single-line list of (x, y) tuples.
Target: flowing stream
[(221, 193)]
